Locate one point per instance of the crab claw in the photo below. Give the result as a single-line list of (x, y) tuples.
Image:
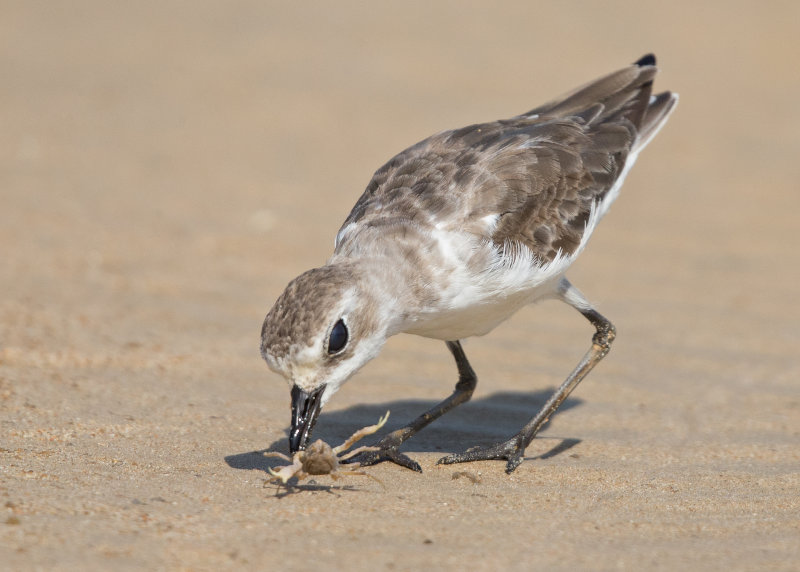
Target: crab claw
[(287, 472)]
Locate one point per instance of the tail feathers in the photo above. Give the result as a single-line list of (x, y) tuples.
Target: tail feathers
[(603, 91), (646, 60), (622, 96), (658, 111)]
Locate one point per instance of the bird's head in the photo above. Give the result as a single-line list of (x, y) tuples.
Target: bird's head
[(321, 330)]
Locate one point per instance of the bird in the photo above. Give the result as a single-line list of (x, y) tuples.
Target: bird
[(454, 235)]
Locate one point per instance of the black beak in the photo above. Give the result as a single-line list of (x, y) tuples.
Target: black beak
[(305, 410)]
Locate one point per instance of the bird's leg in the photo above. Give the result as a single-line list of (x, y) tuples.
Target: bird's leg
[(513, 450), (387, 447)]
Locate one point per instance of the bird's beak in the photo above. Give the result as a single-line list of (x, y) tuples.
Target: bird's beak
[(305, 410)]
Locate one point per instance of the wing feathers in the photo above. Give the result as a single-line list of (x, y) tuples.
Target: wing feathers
[(538, 175)]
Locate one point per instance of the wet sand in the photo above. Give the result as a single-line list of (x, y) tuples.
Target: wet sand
[(165, 171)]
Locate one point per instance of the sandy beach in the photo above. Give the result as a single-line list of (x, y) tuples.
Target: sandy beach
[(165, 171)]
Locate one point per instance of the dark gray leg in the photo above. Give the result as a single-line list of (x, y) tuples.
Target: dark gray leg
[(467, 380), (513, 450)]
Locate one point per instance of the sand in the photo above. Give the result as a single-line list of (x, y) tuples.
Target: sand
[(165, 170)]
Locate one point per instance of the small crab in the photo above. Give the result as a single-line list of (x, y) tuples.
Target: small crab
[(322, 459)]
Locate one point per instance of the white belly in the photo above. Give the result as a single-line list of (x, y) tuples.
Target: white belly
[(485, 287), (473, 320)]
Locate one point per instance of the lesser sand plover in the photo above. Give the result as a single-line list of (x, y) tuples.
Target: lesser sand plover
[(453, 236)]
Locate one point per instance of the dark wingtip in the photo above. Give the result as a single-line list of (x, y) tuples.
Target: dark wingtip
[(648, 60)]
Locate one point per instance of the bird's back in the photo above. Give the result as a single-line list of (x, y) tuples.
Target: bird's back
[(541, 179)]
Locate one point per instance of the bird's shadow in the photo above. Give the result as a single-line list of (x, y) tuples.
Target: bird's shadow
[(483, 421)]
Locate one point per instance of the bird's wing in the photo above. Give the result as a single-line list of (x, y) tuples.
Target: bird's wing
[(533, 179)]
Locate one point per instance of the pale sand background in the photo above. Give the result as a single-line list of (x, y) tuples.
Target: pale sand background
[(165, 171)]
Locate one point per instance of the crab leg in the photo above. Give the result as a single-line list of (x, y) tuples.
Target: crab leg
[(358, 435), (278, 455)]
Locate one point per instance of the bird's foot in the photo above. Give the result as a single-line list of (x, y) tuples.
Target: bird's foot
[(386, 450), (512, 451), (368, 458)]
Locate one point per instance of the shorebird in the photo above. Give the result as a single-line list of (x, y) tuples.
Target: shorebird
[(453, 236)]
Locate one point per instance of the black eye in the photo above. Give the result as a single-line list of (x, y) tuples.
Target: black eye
[(338, 338)]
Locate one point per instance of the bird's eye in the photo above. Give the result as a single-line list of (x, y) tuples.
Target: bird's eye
[(338, 338)]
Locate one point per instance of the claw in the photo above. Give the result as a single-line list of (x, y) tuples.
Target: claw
[(287, 472), (279, 475)]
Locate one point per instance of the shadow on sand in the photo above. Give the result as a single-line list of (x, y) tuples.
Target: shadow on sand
[(482, 421)]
